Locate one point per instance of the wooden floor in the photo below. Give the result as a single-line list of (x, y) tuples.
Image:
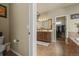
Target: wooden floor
[(56, 49)]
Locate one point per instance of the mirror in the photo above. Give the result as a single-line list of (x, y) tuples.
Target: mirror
[(44, 25)]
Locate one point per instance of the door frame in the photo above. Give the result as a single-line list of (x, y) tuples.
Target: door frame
[(32, 29), (66, 33)]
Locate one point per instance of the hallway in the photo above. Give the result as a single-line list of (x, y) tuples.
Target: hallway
[(56, 49)]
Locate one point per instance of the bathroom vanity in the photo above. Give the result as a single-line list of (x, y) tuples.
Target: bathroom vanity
[(44, 35), (44, 30)]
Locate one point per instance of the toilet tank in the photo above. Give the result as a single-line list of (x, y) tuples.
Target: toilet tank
[(1, 40)]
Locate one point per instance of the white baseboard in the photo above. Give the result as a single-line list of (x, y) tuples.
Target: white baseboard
[(18, 54), (42, 43)]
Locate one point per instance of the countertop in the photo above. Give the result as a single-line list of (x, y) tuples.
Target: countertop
[(44, 30)]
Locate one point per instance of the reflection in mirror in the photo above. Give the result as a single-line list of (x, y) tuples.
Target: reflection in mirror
[(44, 25)]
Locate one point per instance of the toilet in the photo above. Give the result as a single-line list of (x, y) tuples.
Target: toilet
[(2, 46)]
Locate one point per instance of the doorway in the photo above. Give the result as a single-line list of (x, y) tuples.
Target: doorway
[(44, 47), (61, 30)]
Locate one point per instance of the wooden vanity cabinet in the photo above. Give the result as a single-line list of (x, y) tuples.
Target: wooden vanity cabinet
[(44, 36)]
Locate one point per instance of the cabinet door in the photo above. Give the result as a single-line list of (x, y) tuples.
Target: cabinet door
[(44, 36), (48, 37), (40, 36)]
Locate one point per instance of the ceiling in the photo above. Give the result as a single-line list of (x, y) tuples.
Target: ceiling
[(45, 7)]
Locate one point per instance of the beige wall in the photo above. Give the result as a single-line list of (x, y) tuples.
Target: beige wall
[(61, 19), (19, 16), (4, 24)]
